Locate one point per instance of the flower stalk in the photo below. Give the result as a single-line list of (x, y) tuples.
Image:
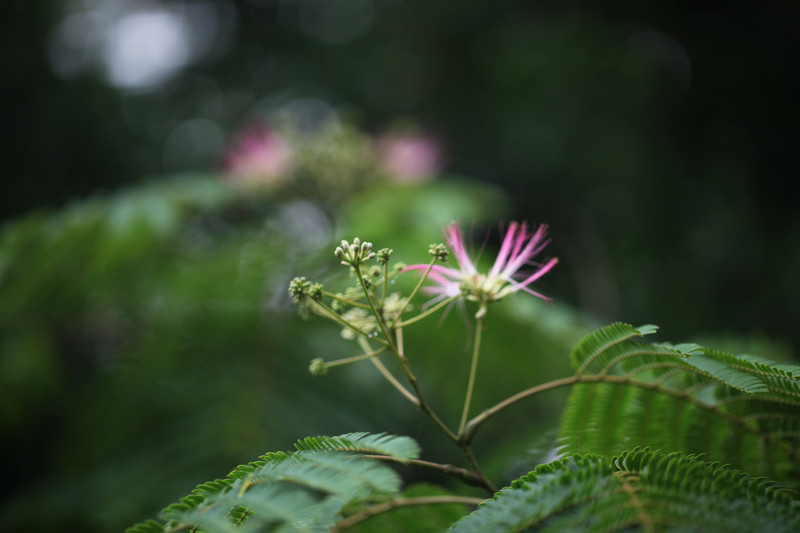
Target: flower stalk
[(368, 312)]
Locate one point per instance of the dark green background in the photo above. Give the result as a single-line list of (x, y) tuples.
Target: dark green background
[(664, 181)]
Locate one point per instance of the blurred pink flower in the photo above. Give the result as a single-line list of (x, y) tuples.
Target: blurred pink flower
[(506, 275), (410, 158), (258, 156)]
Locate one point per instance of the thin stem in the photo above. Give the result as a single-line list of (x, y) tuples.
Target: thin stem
[(422, 279), (403, 361), (472, 426), (362, 341), (378, 315), (329, 313), (473, 369), (425, 313), (385, 280), (468, 477), (466, 449), (401, 502), (398, 335), (345, 301), (355, 358), (393, 380)]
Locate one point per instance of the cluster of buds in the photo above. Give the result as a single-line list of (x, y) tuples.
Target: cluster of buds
[(318, 367), (300, 290), (439, 251), (303, 293), (354, 254)]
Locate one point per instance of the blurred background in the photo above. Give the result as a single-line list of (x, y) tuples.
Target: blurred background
[(171, 165)]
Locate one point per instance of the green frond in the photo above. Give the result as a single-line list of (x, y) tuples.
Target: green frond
[(149, 526), (545, 492), (328, 472), (301, 492), (597, 344), (640, 490), (740, 410), (374, 444)]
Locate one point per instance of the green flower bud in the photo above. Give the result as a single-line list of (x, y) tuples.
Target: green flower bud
[(439, 251), (315, 291), (318, 367), (297, 289), (384, 254)]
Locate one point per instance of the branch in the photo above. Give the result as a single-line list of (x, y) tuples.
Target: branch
[(401, 502), (473, 425), (470, 478)]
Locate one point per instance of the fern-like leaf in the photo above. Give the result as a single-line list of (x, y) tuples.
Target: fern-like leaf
[(305, 491), (740, 410), (378, 444), (640, 490)]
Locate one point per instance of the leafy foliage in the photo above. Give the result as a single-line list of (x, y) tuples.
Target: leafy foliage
[(382, 444), (124, 311), (740, 410), (640, 490), (303, 491)]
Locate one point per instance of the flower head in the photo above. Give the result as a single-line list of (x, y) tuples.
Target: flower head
[(508, 274), (258, 157), (410, 158)]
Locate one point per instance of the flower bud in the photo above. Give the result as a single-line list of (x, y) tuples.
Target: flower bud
[(439, 251), (318, 367), (384, 254)]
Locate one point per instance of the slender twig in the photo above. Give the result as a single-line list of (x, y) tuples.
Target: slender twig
[(466, 449), (472, 426), (362, 341), (425, 313), (468, 477), (422, 279), (476, 349), (327, 312), (401, 502), (403, 361), (355, 358), (393, 380), (378, 314), (345, 301), (422, 404), (398, 335), (385, 280)]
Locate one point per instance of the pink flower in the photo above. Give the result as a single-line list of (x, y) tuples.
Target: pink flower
[(410, 158), (259, 156), (506, 275)]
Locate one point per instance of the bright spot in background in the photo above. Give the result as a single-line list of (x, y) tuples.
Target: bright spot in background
[(137, 45), (145, 48)]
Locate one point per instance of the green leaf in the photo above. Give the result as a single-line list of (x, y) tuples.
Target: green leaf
[(640, 490), (304, 491), (739, 410), (378, 444)]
